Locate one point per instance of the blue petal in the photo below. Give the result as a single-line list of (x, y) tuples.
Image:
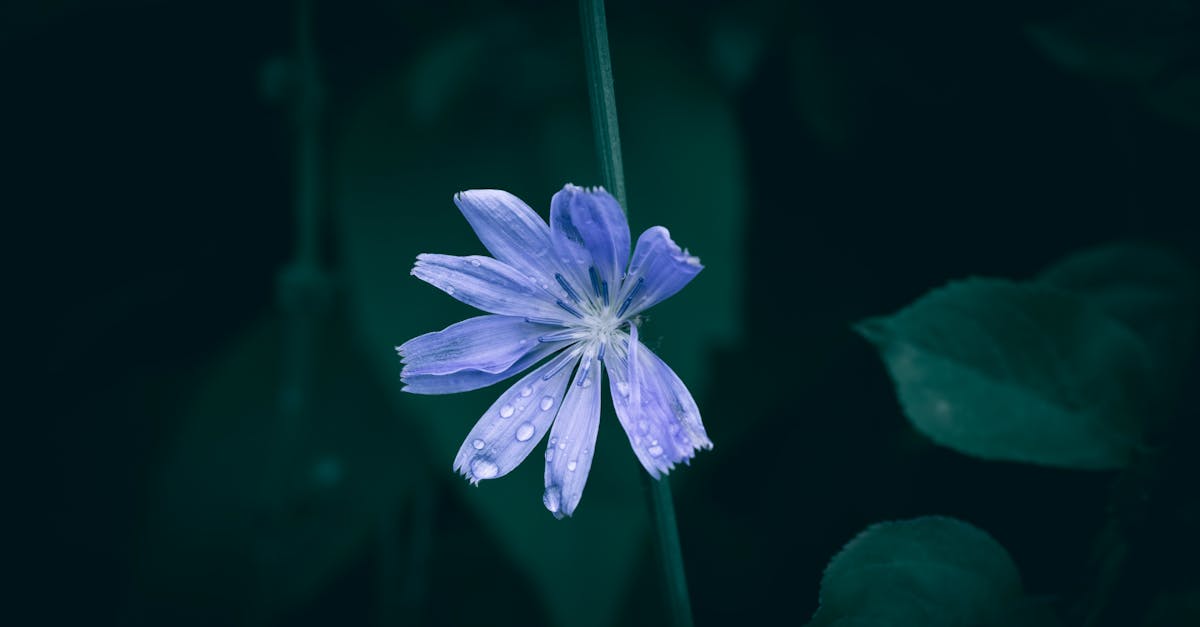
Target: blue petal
[(487, 284), (589, 230), (467, 380), (573, 441), (515, 423), (655, 408), (486, 343), (510, 230), (658, 270)]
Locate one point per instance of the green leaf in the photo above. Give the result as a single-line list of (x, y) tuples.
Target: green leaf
[(253, 512), (1023, 373), (394, 182), (926, 572), (1153, 291)]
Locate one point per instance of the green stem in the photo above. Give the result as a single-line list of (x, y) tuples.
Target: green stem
[(604, 99), (670, 552), (608, 153)]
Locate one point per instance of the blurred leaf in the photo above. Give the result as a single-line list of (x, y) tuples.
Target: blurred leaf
[(394, 188), (1019, 373), (254, 513), (1154, 292), (827, 100), (925, 572), (1149, 45)]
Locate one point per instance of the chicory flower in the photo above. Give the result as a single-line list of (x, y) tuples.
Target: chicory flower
[(566, 296)]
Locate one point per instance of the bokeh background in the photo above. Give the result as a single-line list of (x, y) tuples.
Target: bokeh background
[(212, 431)]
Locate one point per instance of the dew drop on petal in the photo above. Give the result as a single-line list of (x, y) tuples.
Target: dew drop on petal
[(449, 290), (507, 411), (475, 262), (644, 426), (552, 498), (547, 403), (524, 432), (550, 455), (484, 468), (526, 391), (571, 466), (623, 388), (655, 450), (478, 444)]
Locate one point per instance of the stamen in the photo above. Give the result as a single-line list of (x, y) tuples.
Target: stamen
[(564, 359), (600, 354), (604, 292), (595, 276), (548, 321), (567, 286), (637, 287), (569, 334), (569, 309)]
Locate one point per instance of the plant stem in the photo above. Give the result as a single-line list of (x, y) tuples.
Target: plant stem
[(670, 552), (604, 99), (608, 153)]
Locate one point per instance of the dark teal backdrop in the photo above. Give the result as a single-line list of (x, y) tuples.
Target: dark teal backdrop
[(827, 161)]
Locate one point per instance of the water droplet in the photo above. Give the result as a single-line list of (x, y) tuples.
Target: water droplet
[(524, 432), (623, 388), (586, 382), (550, 455), (527, 390), (484, 468), (571, 466), (507, 411), (478, 444), (552, 498), (655, 451), (547, 403), (644, 426), (562, 446), (449, 290), (475, 262)]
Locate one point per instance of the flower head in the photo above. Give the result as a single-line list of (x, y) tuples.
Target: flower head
[(565, 296)]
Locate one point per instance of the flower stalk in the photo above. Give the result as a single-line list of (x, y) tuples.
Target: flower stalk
[(608, 153)]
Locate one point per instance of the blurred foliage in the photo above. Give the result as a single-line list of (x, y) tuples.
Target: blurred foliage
[(1151, 290), (1070, 371), (1148, 46), (930, 571), (265, 507), (1010, 372), (506, 93)]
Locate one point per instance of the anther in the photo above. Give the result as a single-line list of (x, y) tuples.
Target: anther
[(595, 276), (569, 309), (567, 287), (547, 321), (637, 287)]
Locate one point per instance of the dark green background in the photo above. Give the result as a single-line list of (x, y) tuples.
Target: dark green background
[(873, 151)]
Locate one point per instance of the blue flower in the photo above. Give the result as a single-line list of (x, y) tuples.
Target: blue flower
[(561, 292)]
